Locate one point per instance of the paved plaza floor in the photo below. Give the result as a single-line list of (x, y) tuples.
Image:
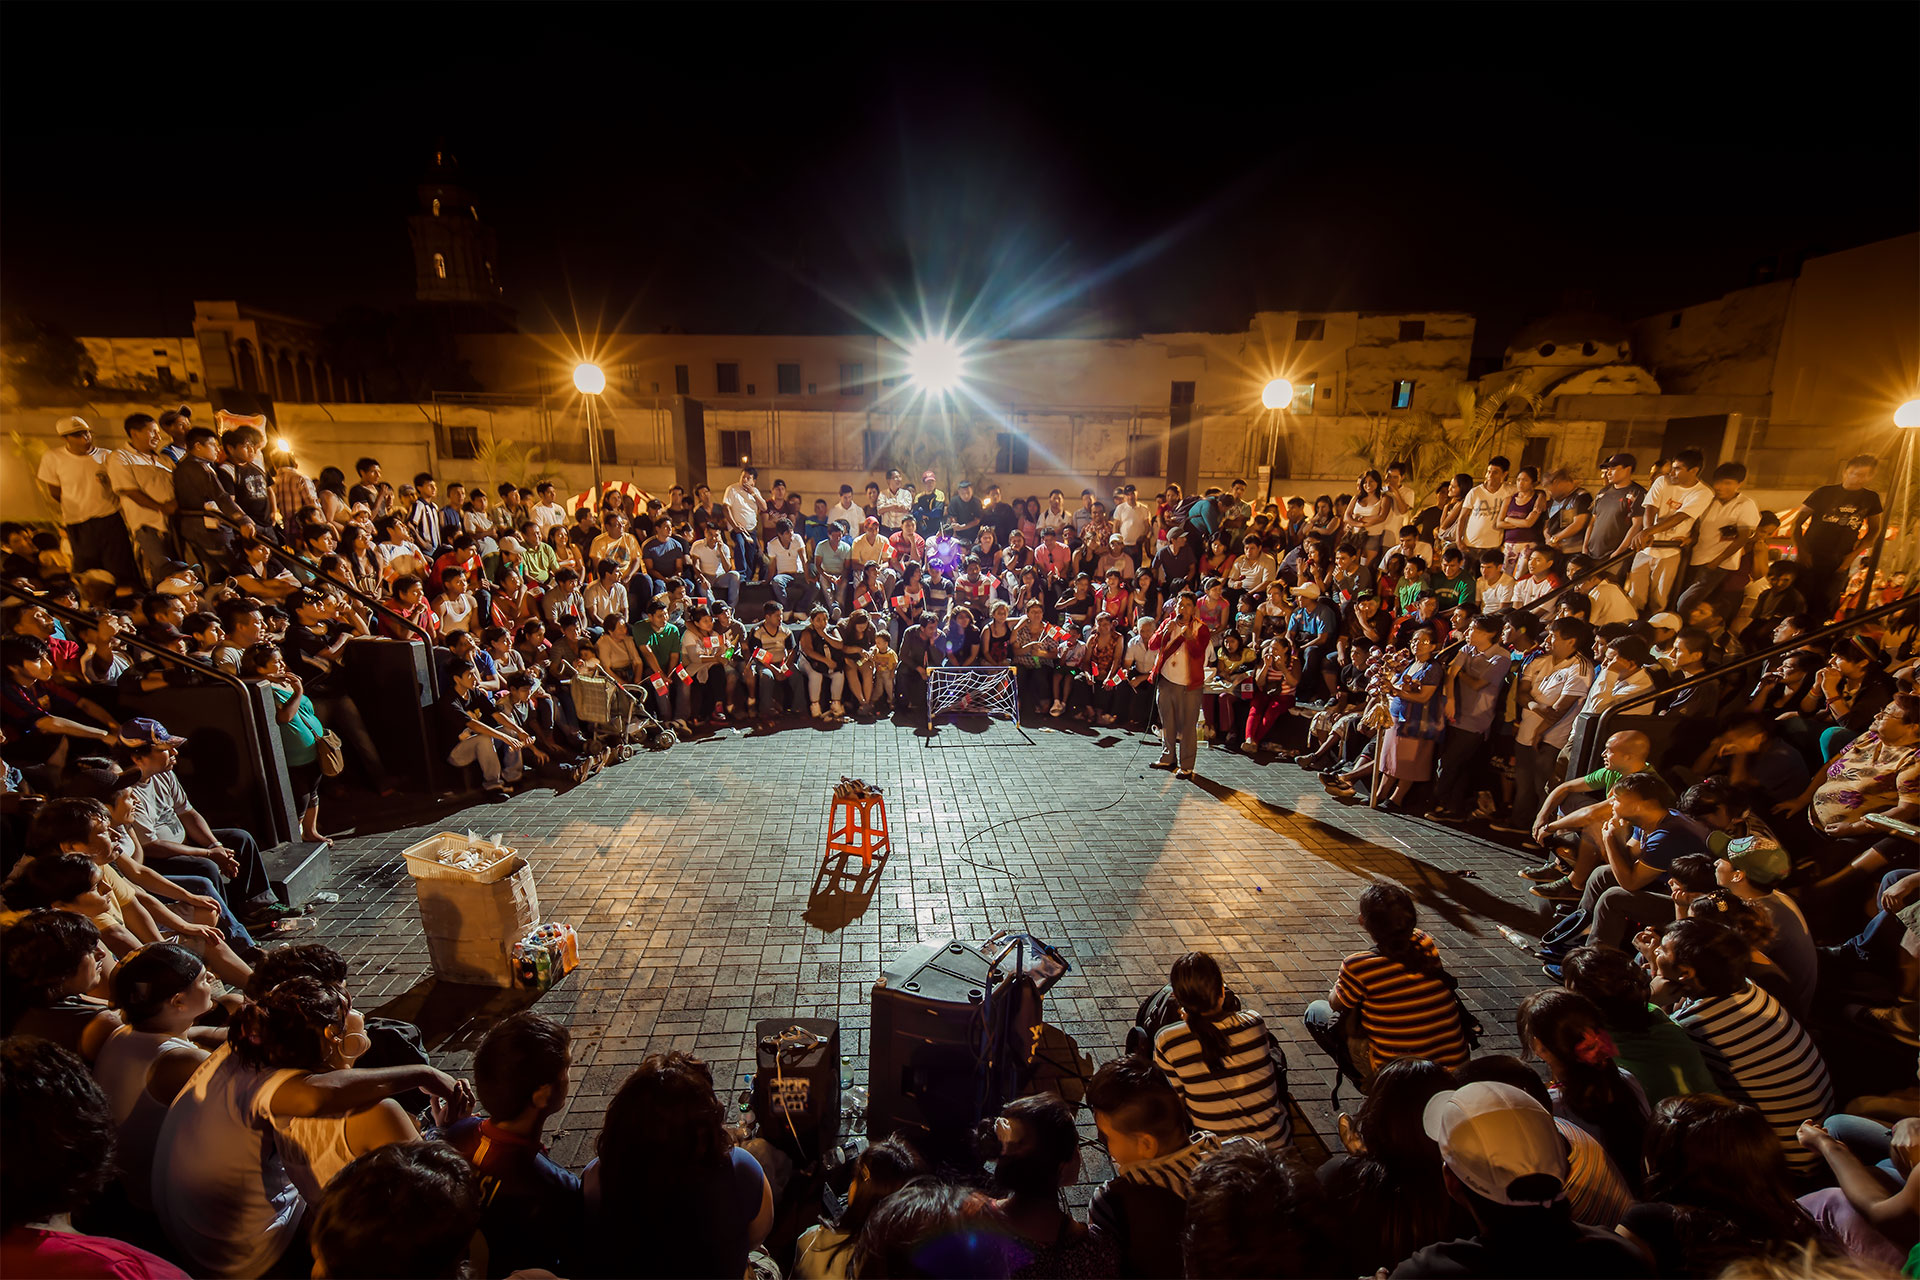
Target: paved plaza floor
[(693, 878)]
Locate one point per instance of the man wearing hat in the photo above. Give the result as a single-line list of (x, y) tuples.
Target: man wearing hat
[(1115, 557), (179, 841), (1750, 869), (1503, 1159), (1312, 632), (1615, 512), (1133, 519), (930, 505), (75, 474)]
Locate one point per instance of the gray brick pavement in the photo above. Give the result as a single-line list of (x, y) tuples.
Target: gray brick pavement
[(692, 878)]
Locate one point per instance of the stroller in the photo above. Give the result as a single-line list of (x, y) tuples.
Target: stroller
[(613, 714)]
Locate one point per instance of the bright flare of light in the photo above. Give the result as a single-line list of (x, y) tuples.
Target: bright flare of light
[(1907, 415), (281, 444), (935, 365), (588, 379), (1277, 394)]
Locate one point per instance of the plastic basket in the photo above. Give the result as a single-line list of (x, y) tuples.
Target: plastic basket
[(423, 861)]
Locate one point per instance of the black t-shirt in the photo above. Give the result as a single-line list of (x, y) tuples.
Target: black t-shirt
[(248, 485), (302, 649), (364, 493), (963, 511), (1613, 511), (451, 712), (1839, 514)]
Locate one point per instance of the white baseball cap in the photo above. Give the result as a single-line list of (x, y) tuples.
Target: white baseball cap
[(1492, 1136), (72, 426), (1665, 622)]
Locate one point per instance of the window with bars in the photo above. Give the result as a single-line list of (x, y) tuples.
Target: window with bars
[(682, 380), (726, 379), (853, 380), (736, 448), (1010, 454), (787, 377), (1310, 330), (1413, 331)]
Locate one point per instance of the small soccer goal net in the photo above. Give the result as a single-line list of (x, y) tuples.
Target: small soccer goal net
[(987, 691)]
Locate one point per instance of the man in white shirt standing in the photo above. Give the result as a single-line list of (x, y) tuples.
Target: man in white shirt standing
[(75, 474), (1486, 506), (143, 478), (896, 502), (846, 511), (745, 505), (1721, 537), (1133, 519), (1675, 501)]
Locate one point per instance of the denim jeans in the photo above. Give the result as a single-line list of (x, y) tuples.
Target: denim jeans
[(249, 885), (792, 591), (236, 933), (725, 586)]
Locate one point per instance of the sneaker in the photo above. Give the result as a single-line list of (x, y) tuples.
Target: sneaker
[(1560, 890), (1510, 828), (1183, 773), (1547, 872), (1250, 748)]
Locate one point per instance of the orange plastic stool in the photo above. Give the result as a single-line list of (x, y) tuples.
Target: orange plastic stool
[(852, 827)]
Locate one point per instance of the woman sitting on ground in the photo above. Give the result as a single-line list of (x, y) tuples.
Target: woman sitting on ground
[(53, 972), (825, 1250), (1566, 1032), (1221, 1059), (1037, 1156)]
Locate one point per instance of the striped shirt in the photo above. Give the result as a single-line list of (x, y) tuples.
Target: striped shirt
[(1403, 1014), (1596, 1192), (1244, 1098), (1760, 1056)]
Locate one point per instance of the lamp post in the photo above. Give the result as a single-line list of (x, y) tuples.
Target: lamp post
[(1275, 397), (1907, 418), (590, 381)]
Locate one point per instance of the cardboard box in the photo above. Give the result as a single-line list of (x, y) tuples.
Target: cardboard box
[(472, 920)]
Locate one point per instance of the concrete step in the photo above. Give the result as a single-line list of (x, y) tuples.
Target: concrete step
[(298, 870)]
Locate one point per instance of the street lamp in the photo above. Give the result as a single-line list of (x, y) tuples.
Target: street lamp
[(936, 365), (1277, 394), (1907, 415), (590, 380)]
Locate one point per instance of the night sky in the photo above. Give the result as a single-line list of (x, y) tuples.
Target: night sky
[(1088, 170)]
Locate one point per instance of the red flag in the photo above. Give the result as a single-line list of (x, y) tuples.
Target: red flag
[(1119, 675), (658, 682), (682, 674)]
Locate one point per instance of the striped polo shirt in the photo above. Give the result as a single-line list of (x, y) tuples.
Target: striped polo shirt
[(1244, 1099), (1403, 1013), (1760, 1056)]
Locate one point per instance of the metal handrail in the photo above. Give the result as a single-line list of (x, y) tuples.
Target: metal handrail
[(282, 556), (168, 656), (1749, 660)]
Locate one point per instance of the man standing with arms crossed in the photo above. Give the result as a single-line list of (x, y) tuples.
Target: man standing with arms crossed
[(143, 477), (1836, 523), (746, 506)]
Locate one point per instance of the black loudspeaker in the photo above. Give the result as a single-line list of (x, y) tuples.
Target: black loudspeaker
[(796, 1086), (924, 1066)]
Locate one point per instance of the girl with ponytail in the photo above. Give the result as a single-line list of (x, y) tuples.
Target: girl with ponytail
[(1565, 1031), (1395, 1000), (159, 991), (1221, 1059)]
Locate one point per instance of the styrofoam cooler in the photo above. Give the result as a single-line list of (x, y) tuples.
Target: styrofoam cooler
[(472, 919)]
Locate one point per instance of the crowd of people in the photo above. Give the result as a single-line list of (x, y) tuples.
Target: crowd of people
[(1719, 1074)]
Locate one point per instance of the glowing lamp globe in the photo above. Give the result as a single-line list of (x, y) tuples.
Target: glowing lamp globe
[(1907, 415), (935, 364), (1277, 394), (588, 379)]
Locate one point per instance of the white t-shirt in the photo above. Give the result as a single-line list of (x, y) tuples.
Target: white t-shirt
[(1486, 508), (85, 493), (1610, 603), (1742, 514), (1665, 498), (784, 558), (548, 514), (1131, 519), (121, 1070), (1493, 597), (157, 805), (1571, 677), (151, 474), (1608, 688), (711, 557), (219, 1186), (849, 514), (744, 507)]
